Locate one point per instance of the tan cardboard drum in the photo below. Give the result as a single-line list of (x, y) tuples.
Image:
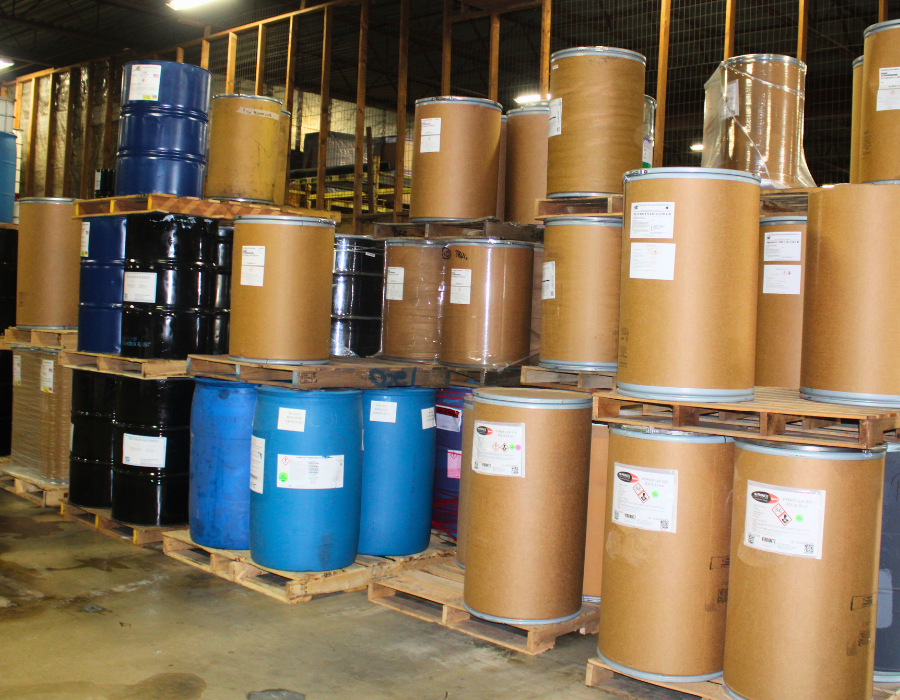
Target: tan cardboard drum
[(527, 505), (281, 289), (243, 148), (596, 513), (526, 161), (580, 296), (668, 519), (687, 324), (413, 296), (465, 481), (856, 119), (487, 305), (879, 157), (501, 170), (49, 263), (801, 601), (282, 156), (456, 159), (779, 315), (536, 286), (596, 127)]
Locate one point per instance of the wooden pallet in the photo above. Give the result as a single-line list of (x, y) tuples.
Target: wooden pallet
[(507, 376), (793, 201), (435, 594), (123, 366), (55, 339), (470, 228), (574, 380), (774, 414), (599, 675), (290, 586), (9, 227), (33, 490), (345, 372), (99, 519), (170, 204), (605, 205)]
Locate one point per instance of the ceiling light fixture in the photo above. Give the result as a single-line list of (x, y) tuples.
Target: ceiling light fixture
[(528, 99), (5, 63), (696, 146), (186, 4)]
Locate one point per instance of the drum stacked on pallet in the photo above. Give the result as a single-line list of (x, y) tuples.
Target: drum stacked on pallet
[(357, 296)]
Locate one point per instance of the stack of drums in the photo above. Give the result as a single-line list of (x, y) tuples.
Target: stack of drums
[(887, 638), (413, 299), (93, 438), (448, 458), (356, 296), (456, 159), (487, 308), (282, 257), (806, 522), (879, 159), (169, 287), (151, 454), (526, 161), (163, 129), (8, 254), (101, 286)]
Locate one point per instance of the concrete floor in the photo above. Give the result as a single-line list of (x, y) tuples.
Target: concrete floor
[(86, 617)]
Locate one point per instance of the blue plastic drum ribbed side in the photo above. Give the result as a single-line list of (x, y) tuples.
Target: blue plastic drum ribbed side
[(162, 141), (304, 510), (398, 471), (100, 289), (7, 176), (221, 426)]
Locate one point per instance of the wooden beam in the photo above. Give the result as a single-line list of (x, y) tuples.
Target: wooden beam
[(259, 85), (87, 182), (730, 15), (467, 16), (74, 75), (802, 29), (882, 10), (51, 137), (446, 48), (361, 115), (494, 65), (17, 118), (665, 20), (28, 188), (293, 39), (104, 160), (402, 100), (204, 49), (230, 62), (546, 17), (179, 55), (325, 107)]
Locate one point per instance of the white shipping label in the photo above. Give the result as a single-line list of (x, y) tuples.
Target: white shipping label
[(499, 449), (383, 412), (647, 153), (258, 113), (257, 463), (784, 520), (548, 280), (293, 419), (17, 370), (732, 99), (85, 238), (253, 255), (394, 289), (645, 498), (460, 286), (652, 220), (252, 275), (430, 144), (428, 418), (555, 123), (652, 261), (144, 83), (454, 463), (144, 451), (448, 418), (887, 100), (140, 287), (889, 78), (47, 376), (781, 279), (782, 246), (431, 126), (302, 472)]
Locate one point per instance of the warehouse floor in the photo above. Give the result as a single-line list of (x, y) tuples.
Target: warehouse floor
[(85, 617)]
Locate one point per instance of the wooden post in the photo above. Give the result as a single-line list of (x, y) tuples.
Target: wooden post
[(361, 114), (261, 59), (51, 135), (445, 48), (402, 79), (802, 27), (17, 119), (179, 55), (293, 33), (28, 189), (546, 15), (204, 49), (730, 15), (665, 18), (74, 74), (230, 62), (87, 182), (882, 10), (494, 65), (325, 107), (104, 160)]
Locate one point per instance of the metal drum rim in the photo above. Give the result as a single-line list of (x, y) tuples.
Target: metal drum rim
[(284, 220), (763, 58), (487, 242), (404, 391), (691, 173), (871, 182), (413, 242), (453, 99), (857, 62), (262, 98), (241, 386), (651, 100), (779, 220), (485, 396), (613, 51), (46, 200), (789, 449), (881, 27), (655, 677), (160, 62), (675, 393), (568, 220), (278, 391), (643, 432), (540, 107)]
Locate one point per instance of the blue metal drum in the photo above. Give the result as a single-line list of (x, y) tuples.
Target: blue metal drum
[(7, 176), (100, 289), (448, 458), (163, 129), (887, 623), (221, 426), (305, 478), (398, 471)]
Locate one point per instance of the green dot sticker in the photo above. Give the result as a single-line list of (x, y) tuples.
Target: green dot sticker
[(655, 494), (282, 476), (799, 518)]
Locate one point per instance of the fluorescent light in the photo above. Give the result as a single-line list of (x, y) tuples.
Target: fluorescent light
[(186, 4), (696, 146), (5, 63), (528, 99)]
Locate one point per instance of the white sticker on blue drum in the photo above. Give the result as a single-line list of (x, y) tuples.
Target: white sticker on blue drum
[(257, 463), (293, 419), (144, 84), (428, 418), (383, 412), (309, 472)]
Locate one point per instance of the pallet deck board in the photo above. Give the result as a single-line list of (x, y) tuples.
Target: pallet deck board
[(52, 339), (435, 594), (123, 366), (100, 519), (600, 205), (574, 380), (40, 493), (471, 228)]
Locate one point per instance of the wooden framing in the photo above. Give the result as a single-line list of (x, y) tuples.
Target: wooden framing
[(494, 65), (230, 62), (104, 160), (402, 99), (293, 32), (665, 20), (802, 29), (325, 107), (258, 86), (730, 16), (52, 109), (882, 10), (179, 55), (361, 115), (28, 180), (70, 116), (546, 19), (87, 182), (446, 48)]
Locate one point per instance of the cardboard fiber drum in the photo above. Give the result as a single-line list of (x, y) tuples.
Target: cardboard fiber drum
[(49, 263), (281, 158), (596, 127), (595, 538), (487, 304), (527, 506), (879, 157), (281, 289), (456, 159), (856, 119), (668, 519), (526, 161), (413, 297), (465, 481), (779, 315), (243, 148), (850, 319), (501, 170), (804, 572), (580, 292), (536, 286), (687, 325)]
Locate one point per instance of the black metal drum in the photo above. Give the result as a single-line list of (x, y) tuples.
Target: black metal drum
[(93, 438), (222, 290), (9, 246), (357, 296)]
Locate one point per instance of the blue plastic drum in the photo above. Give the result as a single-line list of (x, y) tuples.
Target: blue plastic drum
[(887, 623), (305, 478), (100, 289), (7, 176), (221, 427), (398, 471)]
